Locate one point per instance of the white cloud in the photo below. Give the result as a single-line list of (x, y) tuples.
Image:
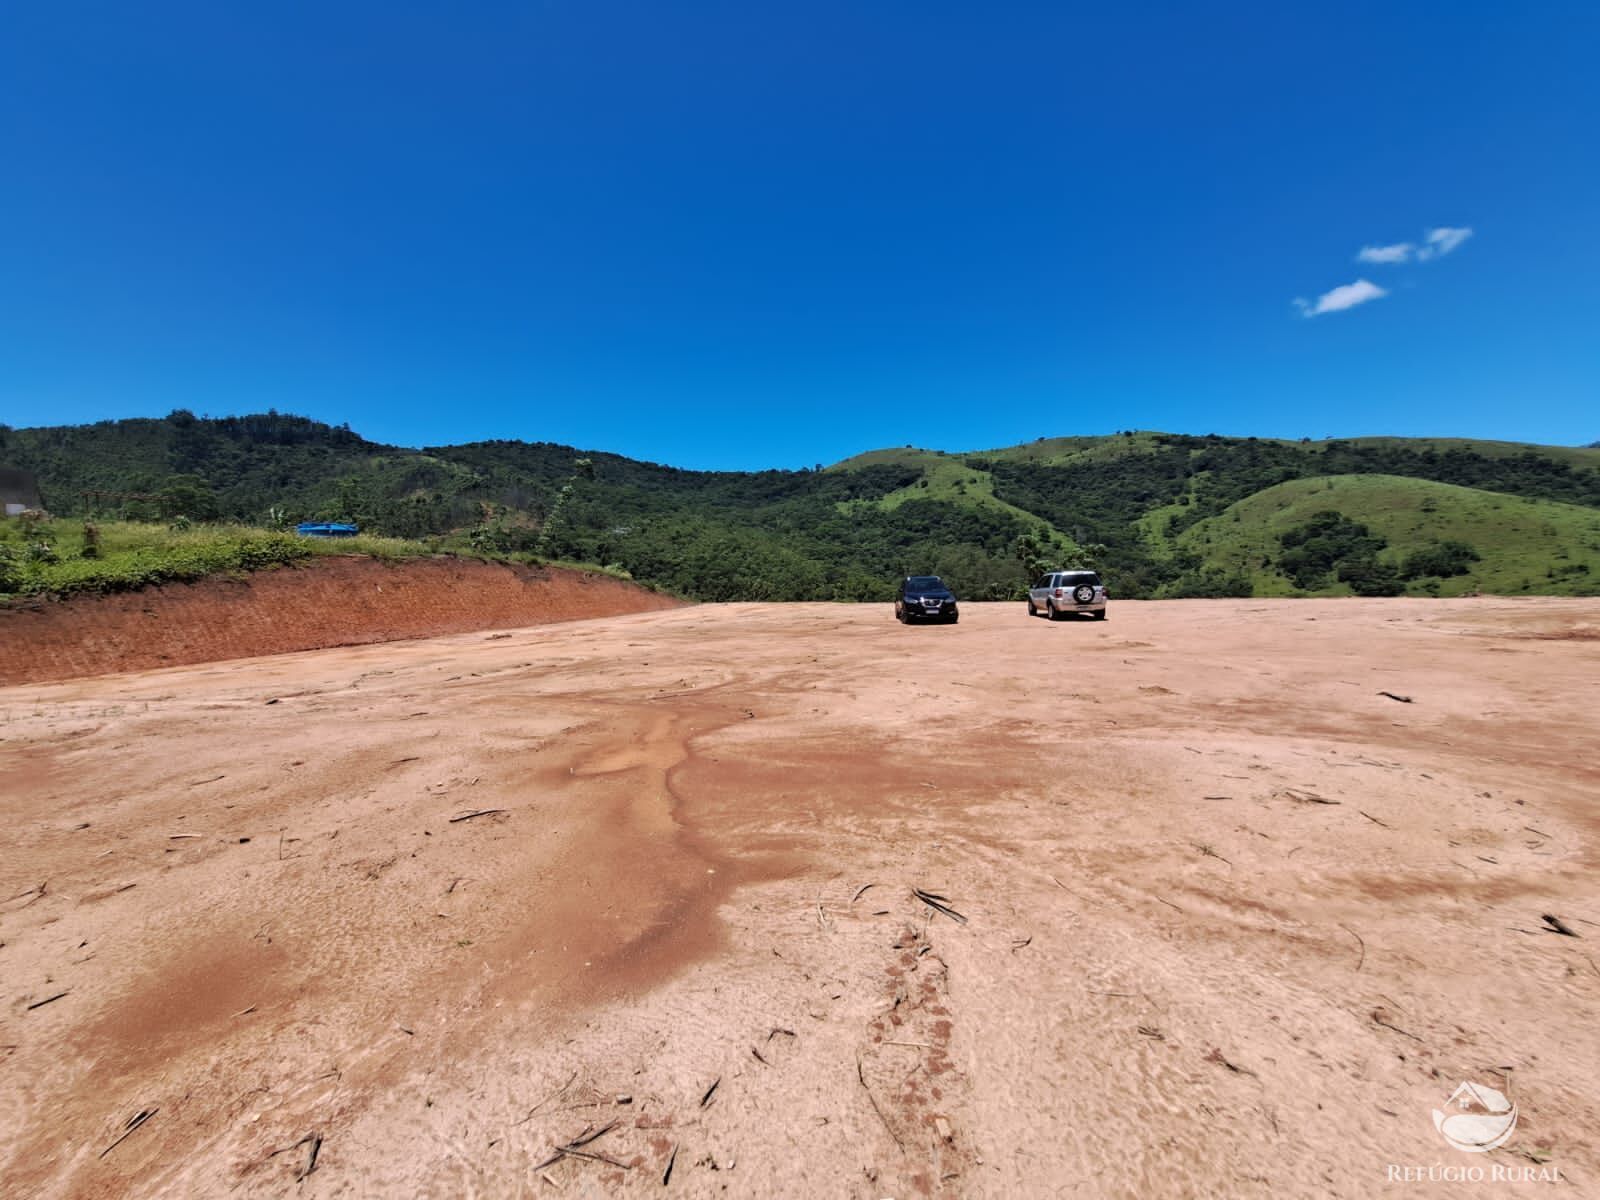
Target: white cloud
[(1340, 298), (1398, 253), (1435, 243), (1441, 241)]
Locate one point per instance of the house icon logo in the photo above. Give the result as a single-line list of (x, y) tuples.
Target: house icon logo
[(1476, 1118)]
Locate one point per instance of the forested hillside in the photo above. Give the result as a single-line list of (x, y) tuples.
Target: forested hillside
[(1159, 514)]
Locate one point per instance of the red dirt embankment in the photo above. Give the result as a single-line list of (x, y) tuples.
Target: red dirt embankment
[(327, 602)]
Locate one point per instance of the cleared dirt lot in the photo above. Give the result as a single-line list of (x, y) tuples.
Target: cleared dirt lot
[(1235, 923)]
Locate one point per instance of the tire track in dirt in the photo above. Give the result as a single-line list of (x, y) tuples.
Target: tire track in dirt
[(905, 1065)]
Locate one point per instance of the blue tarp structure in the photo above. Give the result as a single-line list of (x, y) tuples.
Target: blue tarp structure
[(325, 529)]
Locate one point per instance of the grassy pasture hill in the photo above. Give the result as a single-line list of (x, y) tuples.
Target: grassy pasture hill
[(1517, 545)]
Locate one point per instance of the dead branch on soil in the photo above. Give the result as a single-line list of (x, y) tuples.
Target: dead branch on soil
[(313, 1142), (1374, 819), (710, 1091), (872, 1100), (1305, 797), (559, 1092), (584, 1138), (574, 1149), (861, 891), (138, 1119), (666, 1176), (1401, 699), (46, 1000), (1379, 1017), (1357, 937), (1216, 1056), (1208, 852), (940, 904), (1557, 925), (33, 893), (481, 812)]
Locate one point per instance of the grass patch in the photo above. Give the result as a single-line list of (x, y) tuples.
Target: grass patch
[(63, 558)]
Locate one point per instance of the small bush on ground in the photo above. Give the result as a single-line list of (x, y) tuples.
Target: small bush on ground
[(1329, 542), (1211, 583), (1371, 577), (1441, 559)]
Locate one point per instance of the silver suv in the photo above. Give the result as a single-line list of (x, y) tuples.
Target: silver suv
[(1063, 592)]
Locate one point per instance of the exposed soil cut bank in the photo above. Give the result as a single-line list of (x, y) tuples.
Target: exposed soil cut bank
[(328, 602)]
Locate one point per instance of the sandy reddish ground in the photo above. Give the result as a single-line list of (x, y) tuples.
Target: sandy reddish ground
[(692, 926)]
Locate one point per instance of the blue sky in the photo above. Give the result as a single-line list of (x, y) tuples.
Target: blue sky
[(743, 234)]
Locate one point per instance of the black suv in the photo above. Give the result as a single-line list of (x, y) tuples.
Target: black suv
[(925, 598)]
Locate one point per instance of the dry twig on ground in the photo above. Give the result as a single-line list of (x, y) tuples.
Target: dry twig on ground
[(138, 1119), (1358, 938), (939, 904)]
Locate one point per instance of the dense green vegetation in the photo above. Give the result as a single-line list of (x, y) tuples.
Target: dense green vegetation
[(1159, 514)]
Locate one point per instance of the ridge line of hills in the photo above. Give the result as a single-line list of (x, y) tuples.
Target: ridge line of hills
[(1159, 514)]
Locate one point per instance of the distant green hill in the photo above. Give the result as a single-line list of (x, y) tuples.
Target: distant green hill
[(1139, 505), (1525, 545)]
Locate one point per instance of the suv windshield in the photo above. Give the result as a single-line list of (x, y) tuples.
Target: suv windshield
[(924, 583)]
